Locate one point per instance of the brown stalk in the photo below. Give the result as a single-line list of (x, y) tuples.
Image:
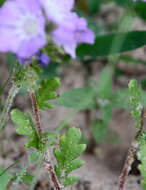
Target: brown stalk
[(47, 162), (131, 153), (36, 112), (53, 176)]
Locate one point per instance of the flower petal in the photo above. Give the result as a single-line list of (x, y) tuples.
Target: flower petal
[(8, 40), (30, 47), (57, 10)]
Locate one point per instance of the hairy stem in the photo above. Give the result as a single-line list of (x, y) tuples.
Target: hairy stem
[(128, 163), (12, 93), (36, 112), (47, 162), (130, 157), (53, 177)]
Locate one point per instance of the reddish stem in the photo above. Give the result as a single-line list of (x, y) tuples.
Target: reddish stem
[(53, 176), (131, 154), (36, 112), (48, 165), (128, 163)]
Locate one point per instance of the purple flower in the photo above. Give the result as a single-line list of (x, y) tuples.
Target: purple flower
[(22, 28), (43, 59), (73, 32), (22, 60), (57, 10)]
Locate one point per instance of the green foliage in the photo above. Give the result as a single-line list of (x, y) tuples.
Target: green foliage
[(90, 98), (11, 61), (69, 150), (102, 45), (124, 3), (99, 130), (47, 92), (137, 109), (135, 101), (140, 8), (93, 6), (78, 98), (4, 179), (104, 86), (27, 178), (100, 96), (142, 167), (130, 59), (27, 76), (26, 128), (49, 71), (1, 2), (120, 99)]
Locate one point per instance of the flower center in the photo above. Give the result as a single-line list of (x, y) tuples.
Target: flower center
[(31, 26)]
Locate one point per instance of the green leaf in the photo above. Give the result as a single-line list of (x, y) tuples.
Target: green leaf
[(130, 59), (136, 101), (77, 98), (124, 3), (120, 99), (107, 112), (26, 127), (47, 92), (69, 150), (103, 44), (70, 181), (33, 157), (1, 2), (4, 179), (99, 130), (93, 6), (27, 178), (11, 61), (142, 167), (140, 8), (104, 86), (74, 165), (49, 71)]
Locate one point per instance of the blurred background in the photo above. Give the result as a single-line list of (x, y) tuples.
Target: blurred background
[(104, 119)]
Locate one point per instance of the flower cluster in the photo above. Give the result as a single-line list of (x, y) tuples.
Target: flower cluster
[(23, 27)]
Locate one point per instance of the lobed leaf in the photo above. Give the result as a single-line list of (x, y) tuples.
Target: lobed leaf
[(69, 150), (70, 180), (135, 101), (142, 167), (26, 127), (47, 92)]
